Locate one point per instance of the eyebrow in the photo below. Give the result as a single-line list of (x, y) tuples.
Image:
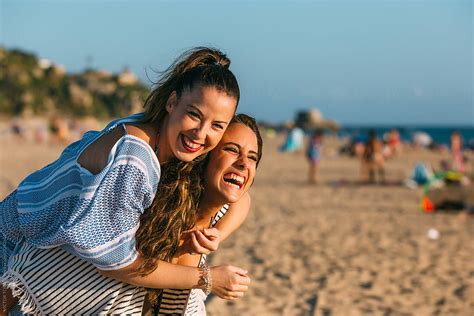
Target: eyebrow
[(235, 144), (200, 113)]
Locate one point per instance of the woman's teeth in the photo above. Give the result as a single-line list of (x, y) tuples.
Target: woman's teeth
[(234, 180), (190, 144)]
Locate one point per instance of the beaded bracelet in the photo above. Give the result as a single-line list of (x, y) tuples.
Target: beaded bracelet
[(205, 278)]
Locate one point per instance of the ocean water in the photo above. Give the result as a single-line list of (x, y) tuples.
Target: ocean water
[(439, 135)]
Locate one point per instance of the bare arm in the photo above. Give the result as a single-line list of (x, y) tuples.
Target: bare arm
[(167, 275), (234, 217), (228, 282)]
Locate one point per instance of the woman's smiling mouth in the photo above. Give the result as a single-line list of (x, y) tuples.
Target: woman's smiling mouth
[(234, 180), (189, 145)]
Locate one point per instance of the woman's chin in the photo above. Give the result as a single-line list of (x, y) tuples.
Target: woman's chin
[(186, 156), (230, 196)]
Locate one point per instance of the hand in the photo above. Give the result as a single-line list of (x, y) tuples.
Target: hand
[(200, 242), (229, 282)]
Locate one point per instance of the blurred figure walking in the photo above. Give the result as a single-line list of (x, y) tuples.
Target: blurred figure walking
[(313, 154)]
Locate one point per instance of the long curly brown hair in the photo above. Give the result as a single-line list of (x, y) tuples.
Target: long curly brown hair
[(172, 212)]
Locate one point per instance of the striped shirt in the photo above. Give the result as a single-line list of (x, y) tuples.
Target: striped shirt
[(187, 302), (54, 281)]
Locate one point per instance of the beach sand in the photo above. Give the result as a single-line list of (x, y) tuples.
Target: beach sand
[(335, 248)]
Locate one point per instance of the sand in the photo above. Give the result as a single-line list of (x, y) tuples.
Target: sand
[(334, 248)]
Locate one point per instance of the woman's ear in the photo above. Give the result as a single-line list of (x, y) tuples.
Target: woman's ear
[(172, 101)]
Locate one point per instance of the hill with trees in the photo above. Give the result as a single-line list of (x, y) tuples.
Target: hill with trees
[(37, 87)]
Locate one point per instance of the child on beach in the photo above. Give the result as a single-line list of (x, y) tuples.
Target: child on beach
[(313, 154), (89, 201)]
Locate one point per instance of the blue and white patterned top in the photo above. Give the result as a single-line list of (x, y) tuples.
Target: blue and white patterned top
[(93, 216)]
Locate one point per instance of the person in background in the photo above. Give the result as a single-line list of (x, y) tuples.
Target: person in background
[(394, 142), (294, 141), (313, 154), (372, 162), (457, 151)]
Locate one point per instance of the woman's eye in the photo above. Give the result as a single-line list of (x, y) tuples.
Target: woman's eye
[(218, 126), (193, 114), (254, 158), (232, 149)]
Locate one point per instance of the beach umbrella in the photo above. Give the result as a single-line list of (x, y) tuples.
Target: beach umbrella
[(313, 119), (422, 139)]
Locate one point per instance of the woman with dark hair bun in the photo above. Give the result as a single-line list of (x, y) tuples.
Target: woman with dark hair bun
[(102, 191)]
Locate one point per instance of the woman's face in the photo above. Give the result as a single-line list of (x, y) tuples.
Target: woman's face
[(196, 122), (232, 164)]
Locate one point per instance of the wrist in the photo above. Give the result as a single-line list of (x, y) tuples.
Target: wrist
[(205, 279)]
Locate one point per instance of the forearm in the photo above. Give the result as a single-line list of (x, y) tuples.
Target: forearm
[(228, 282), (166, 275)]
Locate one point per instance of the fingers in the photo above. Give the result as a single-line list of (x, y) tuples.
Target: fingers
[(238, 288), (196, 241), (229, 282), (241, 276), (196, 246), (211, 233), (238, 270), (245, 280), (211, 245), (232, 296)]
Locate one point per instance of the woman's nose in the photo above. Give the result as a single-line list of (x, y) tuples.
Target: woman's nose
[(200, 131), (243, 162)]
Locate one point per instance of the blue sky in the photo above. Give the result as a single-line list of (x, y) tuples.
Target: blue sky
[(359, 62)]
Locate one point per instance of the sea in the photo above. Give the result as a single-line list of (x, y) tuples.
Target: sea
[(439, 135)]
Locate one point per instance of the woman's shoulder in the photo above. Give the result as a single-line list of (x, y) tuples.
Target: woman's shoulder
[(143, 131), (125, 149), (139, 140), (135, 148)]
